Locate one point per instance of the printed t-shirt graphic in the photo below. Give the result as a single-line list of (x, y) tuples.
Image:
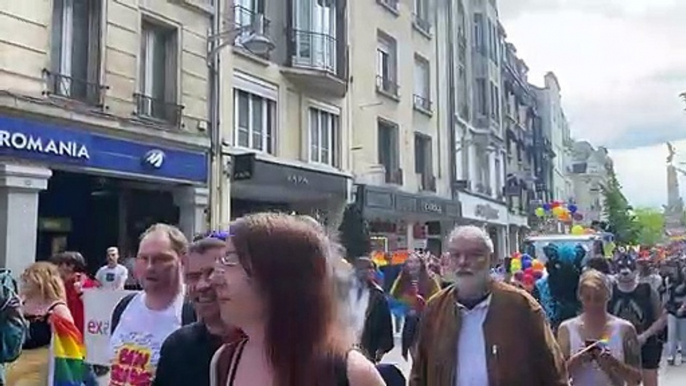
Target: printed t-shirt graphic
[(136, 342)]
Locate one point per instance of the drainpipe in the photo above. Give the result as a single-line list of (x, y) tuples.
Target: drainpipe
[(216, 167), (450, 43)]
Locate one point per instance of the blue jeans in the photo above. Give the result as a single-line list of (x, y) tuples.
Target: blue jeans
[(89, 377)]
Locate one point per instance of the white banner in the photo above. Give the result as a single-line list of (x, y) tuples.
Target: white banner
[(98, 306)]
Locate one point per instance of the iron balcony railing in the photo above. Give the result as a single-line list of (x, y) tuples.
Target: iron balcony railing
[(427, 182), (249, 22), (78, 89), (394, 176), (422, 103), (387, 85), (150, 107), (314, 50)]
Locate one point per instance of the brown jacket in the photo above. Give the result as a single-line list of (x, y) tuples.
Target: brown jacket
[(520, 347)]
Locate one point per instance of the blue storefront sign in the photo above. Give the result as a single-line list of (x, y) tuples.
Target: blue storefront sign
[(52, 144)]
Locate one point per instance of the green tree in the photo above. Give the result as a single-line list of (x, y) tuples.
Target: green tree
[(650, 224), (354, 233), (620, 220)]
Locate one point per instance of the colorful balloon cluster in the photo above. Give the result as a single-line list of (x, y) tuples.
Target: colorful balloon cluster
[(559, 210), (526, 270)]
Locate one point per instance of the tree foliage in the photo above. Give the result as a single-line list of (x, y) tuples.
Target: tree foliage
[(354, 233), (650, 224), (617, 210)]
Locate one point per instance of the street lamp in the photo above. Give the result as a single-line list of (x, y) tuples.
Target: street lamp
[(253, 39)]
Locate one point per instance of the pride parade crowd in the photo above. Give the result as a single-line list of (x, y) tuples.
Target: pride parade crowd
[(271, 301)]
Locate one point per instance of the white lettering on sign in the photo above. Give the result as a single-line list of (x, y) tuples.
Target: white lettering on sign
[(298, 179), (486, 212), (21, 141), (432, 207)]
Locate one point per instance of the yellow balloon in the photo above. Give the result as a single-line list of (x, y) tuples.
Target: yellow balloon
[(577, 230), (540, 212), (557, 211)]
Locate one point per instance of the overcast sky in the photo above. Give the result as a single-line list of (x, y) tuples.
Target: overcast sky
[(621, 65)]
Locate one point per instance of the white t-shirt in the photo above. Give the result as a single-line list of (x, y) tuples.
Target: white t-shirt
[(136, 342), (112, 278)]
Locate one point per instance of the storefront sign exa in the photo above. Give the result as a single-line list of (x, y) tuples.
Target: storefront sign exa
[(486, 212), (297, 179), (37, 144)]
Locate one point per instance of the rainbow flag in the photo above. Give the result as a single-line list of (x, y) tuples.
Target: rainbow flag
[(68, 353)]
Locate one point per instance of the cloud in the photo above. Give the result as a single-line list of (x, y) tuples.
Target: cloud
[(621, 66)]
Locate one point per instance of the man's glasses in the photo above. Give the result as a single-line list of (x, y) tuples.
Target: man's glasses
[(219, 235)]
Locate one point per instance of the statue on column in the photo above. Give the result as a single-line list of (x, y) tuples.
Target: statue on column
[(675, 206)]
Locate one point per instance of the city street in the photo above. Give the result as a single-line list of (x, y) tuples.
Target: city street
[(669, 376)]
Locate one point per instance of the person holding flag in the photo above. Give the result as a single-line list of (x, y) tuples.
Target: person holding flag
[(54, 352)]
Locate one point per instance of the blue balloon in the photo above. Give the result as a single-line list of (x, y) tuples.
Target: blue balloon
[(526, 256), (572, 208), (526, 263), (546, 207)]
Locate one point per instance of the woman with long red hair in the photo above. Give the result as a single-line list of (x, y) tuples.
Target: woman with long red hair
[(275, 284), (414, 286)]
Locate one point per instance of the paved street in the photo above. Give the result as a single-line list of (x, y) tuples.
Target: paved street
[(669, 376)]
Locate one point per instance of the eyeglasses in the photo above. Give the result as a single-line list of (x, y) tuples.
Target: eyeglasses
[(229, 259)]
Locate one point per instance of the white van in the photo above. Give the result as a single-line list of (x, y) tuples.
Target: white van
[(593, 243)]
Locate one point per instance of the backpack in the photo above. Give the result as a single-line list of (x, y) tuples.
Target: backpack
[(13, 326), (187, 312)]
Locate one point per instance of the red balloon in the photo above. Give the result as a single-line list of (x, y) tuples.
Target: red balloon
[(528, 279), (519, 275), (555, 204), (529, 271)]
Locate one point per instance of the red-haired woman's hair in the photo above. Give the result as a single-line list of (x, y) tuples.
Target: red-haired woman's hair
[(287, 257)]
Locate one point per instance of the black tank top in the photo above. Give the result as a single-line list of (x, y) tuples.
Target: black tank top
[(39, 331), (636, 307)]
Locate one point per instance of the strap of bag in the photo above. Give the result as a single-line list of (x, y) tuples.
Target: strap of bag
[(119, 310)]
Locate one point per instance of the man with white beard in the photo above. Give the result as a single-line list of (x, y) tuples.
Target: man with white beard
[(479, 332)]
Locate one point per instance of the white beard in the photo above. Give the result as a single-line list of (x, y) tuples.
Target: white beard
[(472, 286)]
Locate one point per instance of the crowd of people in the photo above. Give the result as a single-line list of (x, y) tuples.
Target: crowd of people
[(272, 301)]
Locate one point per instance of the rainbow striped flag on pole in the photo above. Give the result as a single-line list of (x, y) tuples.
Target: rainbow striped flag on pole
[(68, 353)]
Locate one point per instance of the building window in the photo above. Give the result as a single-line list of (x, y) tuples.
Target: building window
[(463, 88), (422, 84), (75, 50), (479, 33), (423, 164), (421, 19), (481, 97), (494, 101), (386, 64), (324, 137), (157, 96), (315, 34), (255, 121), (388, 152)]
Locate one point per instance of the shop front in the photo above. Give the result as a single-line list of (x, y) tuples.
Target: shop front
[(490, 214), (401, 221), (264, 183), (66, 187)]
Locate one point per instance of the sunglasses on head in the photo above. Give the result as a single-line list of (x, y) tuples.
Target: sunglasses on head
[(219, 235)]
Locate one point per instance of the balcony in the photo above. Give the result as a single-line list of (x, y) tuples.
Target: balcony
[(427, 182), (250, 23), (422, 104), (390, 5), (422, 25), (90, 93), (394, 176), (158, 110), (316, 62), (387, 86)]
